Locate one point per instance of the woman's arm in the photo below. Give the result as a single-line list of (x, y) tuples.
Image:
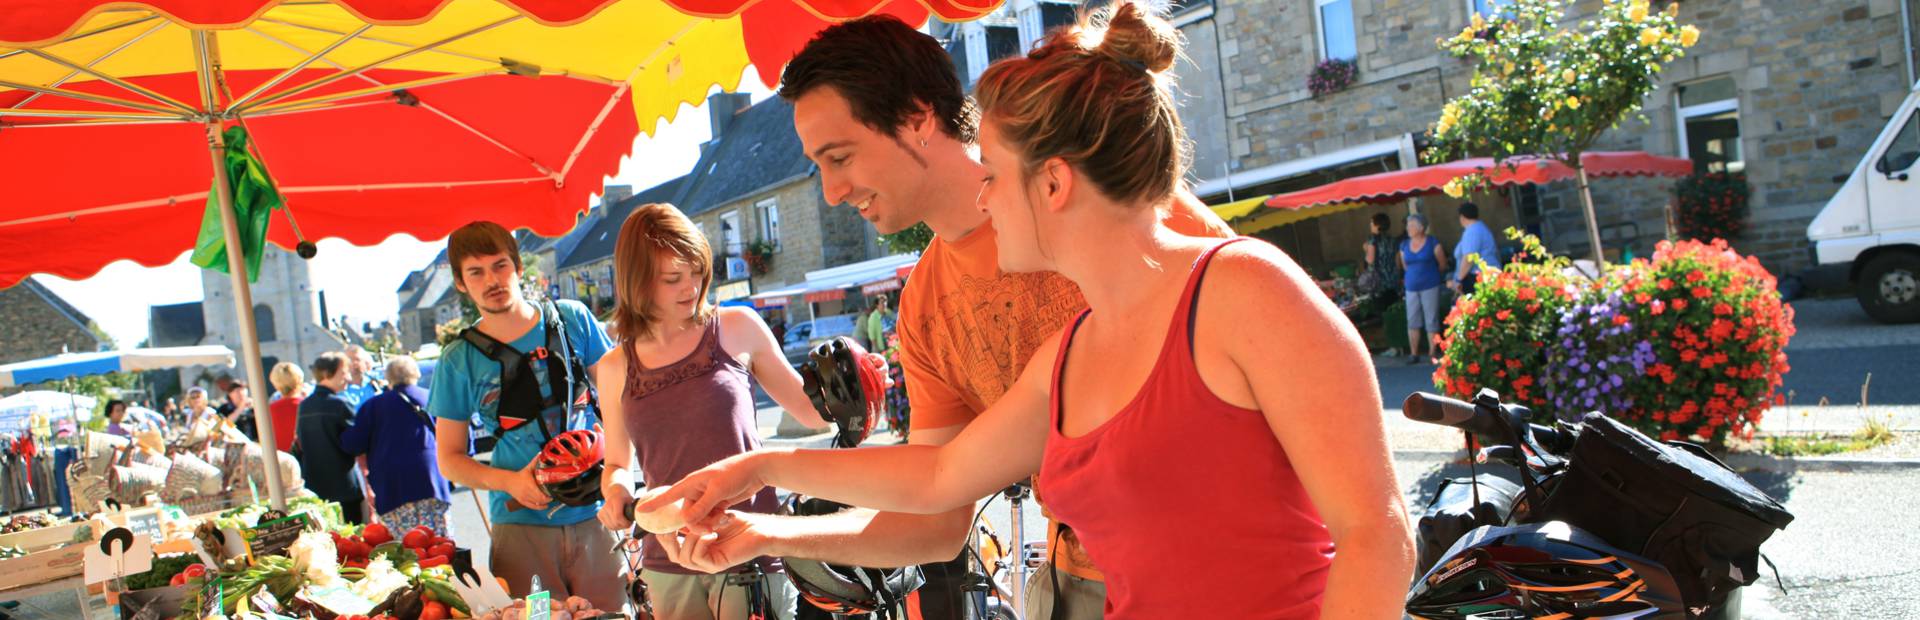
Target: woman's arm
[(1002, 446), (1326, 415), (615, 446), (742, 331)]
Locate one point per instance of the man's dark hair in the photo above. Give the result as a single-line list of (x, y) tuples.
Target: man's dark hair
[(328, 365), (886, 70), (1469, 210), (1382, 222)]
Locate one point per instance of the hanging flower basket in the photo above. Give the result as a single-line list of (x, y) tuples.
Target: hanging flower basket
[(759, 257)]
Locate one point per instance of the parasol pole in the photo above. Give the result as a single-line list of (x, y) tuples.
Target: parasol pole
[(208, 51)]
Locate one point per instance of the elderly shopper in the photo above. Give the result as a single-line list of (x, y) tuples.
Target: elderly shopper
[(395, 433)]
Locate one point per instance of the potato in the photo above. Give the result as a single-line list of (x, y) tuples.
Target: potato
[(664, 520)]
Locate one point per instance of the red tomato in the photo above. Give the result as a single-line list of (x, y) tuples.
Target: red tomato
[(417, 537), (376, 534), (441, 550), (195, 570), (433, 611)]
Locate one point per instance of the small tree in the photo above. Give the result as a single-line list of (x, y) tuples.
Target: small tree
[(914, 239), (1544, 91)]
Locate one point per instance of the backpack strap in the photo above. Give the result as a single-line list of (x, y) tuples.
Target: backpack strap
[(571, 373)]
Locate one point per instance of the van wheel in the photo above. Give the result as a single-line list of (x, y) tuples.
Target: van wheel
[(1889, 288)]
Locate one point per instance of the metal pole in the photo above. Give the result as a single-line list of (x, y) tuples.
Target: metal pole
[(209, 65), (1593, 222)]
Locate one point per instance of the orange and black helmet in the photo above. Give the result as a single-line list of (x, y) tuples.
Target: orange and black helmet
[(1542, 570), (845, 590)]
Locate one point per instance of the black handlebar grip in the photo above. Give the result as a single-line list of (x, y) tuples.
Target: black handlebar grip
[(1437, 409)]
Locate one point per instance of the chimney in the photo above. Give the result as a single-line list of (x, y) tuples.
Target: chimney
[(721, 108), (613, 194)]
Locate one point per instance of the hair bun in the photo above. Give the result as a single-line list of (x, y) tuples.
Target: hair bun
[(1136, 35)]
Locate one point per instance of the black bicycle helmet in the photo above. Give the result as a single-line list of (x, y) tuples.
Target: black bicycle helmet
[(846, 387), (846, 590), (1542, 570)]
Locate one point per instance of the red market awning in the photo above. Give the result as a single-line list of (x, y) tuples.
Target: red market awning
[(1401, 184), (889, 284), (826, 295)]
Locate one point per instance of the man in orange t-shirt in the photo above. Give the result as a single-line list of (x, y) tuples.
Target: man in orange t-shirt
[(879, 108)]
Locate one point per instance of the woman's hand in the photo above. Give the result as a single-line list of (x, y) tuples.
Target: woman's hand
[(711, 490), (613, 508)]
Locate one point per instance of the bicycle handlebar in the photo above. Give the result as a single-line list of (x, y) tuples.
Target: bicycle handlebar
[(1485, 421)]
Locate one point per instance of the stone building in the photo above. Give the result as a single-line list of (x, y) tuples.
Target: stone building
[(36, 323), (1790, 92)]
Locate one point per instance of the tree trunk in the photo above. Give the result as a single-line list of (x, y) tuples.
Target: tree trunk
[(1593, 223)]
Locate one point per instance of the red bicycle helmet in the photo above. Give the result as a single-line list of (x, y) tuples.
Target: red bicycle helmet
[(569, 467), (847, 388)]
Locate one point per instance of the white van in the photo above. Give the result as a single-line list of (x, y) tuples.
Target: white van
[(1872, 225)]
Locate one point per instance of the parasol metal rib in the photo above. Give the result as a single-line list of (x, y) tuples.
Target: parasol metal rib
[(93, 114), (594, 127), (103, 58), (297, 67), (370, 66), (537, 166), (309, 103), (147, 92), (282, 22), (89, 97)]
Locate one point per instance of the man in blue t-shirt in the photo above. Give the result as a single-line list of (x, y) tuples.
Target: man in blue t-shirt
[(562, 545)]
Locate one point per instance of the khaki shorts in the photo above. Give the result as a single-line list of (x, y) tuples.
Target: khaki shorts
[(573, 560), (708, 597), (1078, 599)]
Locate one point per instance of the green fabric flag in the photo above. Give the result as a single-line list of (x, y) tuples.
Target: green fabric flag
[(254, 199)]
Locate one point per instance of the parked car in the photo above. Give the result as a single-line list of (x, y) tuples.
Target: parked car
[(1871, 227), (803, 335)]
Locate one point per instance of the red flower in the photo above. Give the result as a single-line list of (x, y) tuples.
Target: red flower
[(1679, 304), (1688, 355), (1527, 293), (1666, 284), (1695, 276), (1701, 292), (1503, 315)]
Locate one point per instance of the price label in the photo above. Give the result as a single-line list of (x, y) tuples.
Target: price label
[(273, 537), (539, 605)]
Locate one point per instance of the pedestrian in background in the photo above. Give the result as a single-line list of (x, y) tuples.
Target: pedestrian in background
[(324, 416), (396, 435), (1422, 260), (291, 385), (1475, 240)]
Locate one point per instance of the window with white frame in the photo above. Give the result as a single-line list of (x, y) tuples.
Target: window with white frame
[(1334, 18), (1487, 8), (768, 213), (1709, 123)]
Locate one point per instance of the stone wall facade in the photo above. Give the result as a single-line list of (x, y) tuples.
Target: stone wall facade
[(1815, 82)]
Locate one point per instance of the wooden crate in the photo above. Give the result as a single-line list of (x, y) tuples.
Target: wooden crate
[(43, 566), (42, 538)]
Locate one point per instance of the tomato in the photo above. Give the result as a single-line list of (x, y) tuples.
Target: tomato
[(417, 537), (433, 611), (440, 540), (178, 580), (376, 534), (433, 561), (195, 570), (442, 550)]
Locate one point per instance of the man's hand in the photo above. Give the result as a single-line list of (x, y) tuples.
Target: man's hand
[(525, 489), (613, 508), (735, 539), (710, 491)]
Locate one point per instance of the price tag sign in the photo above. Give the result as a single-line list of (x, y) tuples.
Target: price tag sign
[(273, 537), (539, 605)]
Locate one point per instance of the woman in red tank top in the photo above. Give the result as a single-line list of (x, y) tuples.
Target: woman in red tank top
[(1210, 427)]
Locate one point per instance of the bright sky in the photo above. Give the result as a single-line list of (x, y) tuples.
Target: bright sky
[(359, 281)]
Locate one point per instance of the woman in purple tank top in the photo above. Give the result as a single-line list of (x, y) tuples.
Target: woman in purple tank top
[(679, 397)]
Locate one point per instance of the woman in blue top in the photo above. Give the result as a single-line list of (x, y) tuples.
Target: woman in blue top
[(1422, 260), (396, 435)]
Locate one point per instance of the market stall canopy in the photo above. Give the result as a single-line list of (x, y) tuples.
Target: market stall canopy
[(1401, 184), (373, 117), (828, 283), (70, 365), (1247, 217)]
